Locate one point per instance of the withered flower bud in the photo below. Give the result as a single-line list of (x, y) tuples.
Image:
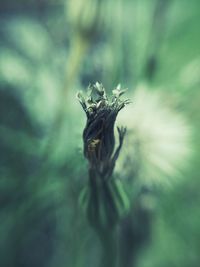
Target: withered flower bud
[(98, 135)]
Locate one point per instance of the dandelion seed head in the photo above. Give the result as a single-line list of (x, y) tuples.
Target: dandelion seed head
[(157, 146)]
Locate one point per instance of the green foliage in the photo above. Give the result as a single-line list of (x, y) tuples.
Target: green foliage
[(44, 61)]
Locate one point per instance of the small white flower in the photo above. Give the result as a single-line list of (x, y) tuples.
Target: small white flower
[(157, 145)]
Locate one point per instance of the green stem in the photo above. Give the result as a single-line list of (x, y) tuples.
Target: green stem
[(109, 248)]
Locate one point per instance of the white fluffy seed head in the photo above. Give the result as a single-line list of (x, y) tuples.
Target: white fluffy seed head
[(157, 145)]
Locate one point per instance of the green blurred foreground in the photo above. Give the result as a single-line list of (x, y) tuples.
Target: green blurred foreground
[(49, 50)]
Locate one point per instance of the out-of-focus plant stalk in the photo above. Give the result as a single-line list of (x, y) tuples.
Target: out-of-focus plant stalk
[(158, 31), (87, 21), (79, 48)]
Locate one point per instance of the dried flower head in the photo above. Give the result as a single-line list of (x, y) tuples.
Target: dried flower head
[(98, 135), (157, 146)]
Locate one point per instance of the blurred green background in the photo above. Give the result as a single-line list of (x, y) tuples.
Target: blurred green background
[(48, 51)]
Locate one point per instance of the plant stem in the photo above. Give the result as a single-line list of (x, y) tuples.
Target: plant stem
[(109, 248)]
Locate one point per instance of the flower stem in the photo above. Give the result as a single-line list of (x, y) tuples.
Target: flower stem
[(109, 248)]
